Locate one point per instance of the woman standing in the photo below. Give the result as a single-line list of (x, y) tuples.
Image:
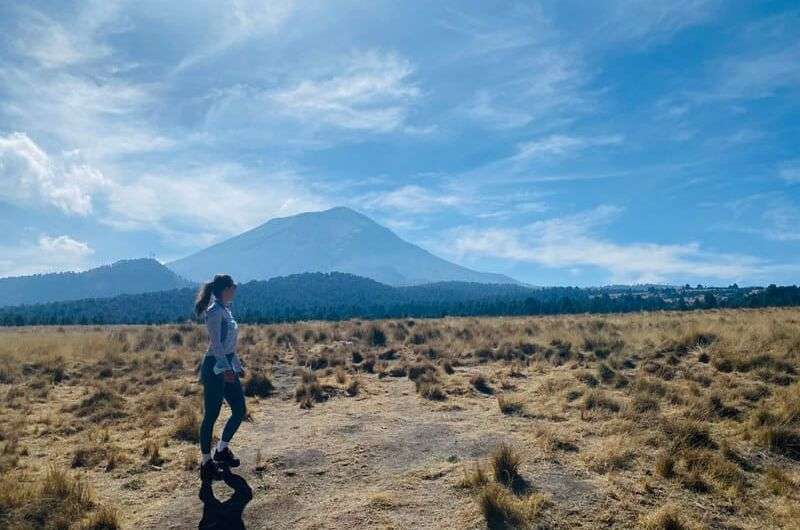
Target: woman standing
[(220, 373)]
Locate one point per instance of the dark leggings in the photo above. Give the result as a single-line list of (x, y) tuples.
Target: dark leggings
[(215, 389)]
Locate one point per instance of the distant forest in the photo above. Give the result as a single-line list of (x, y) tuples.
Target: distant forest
[(337, 296)]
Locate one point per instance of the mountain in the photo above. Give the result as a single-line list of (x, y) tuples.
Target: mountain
[(123, 277), (339, 239)]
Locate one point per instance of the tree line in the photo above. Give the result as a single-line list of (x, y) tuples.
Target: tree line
[(339, 296)]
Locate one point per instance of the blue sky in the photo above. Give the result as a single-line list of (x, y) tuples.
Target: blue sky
[(559, 142)]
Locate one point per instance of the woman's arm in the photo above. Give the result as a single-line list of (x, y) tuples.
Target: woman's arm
[(214, 323), (236, 364)]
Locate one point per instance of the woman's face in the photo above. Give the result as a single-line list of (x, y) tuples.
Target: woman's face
[(229, 293)]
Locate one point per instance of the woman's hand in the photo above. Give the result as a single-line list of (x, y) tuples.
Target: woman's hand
[(229, 376)]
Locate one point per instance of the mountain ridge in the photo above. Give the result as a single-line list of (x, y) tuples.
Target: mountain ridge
[(339, 239), (129, 276)]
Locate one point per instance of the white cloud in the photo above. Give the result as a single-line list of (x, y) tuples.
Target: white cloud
[(651, 21), (27, 172), (569, 242), (104, 118), (371, 91), (559, 145), (47, 254), (320, 105), (209, 201), (413, 199), (527, 71), (532, 158), (198, 205), (790, 171), (760, 74), (781, 223), (52, 44), (233, 23), (546, 82)]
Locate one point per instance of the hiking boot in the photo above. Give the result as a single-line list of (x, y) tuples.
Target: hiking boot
[(225, 458), (210, 471)]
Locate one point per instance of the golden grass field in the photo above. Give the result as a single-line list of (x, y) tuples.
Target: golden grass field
[(657, 421)]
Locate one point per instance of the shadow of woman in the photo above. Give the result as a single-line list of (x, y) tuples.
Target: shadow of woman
[(225, 514)]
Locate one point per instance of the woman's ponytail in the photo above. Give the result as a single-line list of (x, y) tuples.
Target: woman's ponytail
[(215, 287), (203, 298)]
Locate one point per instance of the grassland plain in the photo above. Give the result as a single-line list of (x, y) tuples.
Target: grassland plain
[(654, 420)]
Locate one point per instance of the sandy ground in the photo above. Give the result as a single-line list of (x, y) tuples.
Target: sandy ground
[(384, 459)]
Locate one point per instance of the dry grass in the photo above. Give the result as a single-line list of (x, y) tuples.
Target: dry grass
[(697, 409), (55, 500)]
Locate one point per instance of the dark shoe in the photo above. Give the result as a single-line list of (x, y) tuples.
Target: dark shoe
[(225, 458), (210, 471)]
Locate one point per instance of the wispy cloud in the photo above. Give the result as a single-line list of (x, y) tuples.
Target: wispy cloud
[(790, 171), (528, 72), (54, 44), (568, 242), (770, 215), (558, 145), (651, 21), (371, 91), (781, 223), (235, 22), (46, 254), (759, 75), (342, 100), (413, 199), (533, 160)]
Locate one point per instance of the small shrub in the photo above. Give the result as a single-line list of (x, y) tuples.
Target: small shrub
[(398, 370), (187, 424), (503, 510), (688, 434), (510, 404), (258, 384), (354, 387), (474, 478), (376, 337), (665, 465), (447, 366), (104, 518), (152, 453), (341, 375), (428, 386), (642, 404), (665, 518), (606, 374), (88, 456), (417, 370), (369, 364), (309, 393), (481, 383), (161, 400), (597, 399), (505, 464), (104, 404), (778, 482), (588, 379), (612, 456)]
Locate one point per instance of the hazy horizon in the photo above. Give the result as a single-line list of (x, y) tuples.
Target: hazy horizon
[(558, 143)]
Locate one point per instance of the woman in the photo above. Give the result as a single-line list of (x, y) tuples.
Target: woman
[(220, 373)]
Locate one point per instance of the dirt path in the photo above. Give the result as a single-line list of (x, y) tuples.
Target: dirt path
[(384, 459)]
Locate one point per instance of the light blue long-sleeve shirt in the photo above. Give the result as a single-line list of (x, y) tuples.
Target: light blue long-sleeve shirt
[(222, 343)]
